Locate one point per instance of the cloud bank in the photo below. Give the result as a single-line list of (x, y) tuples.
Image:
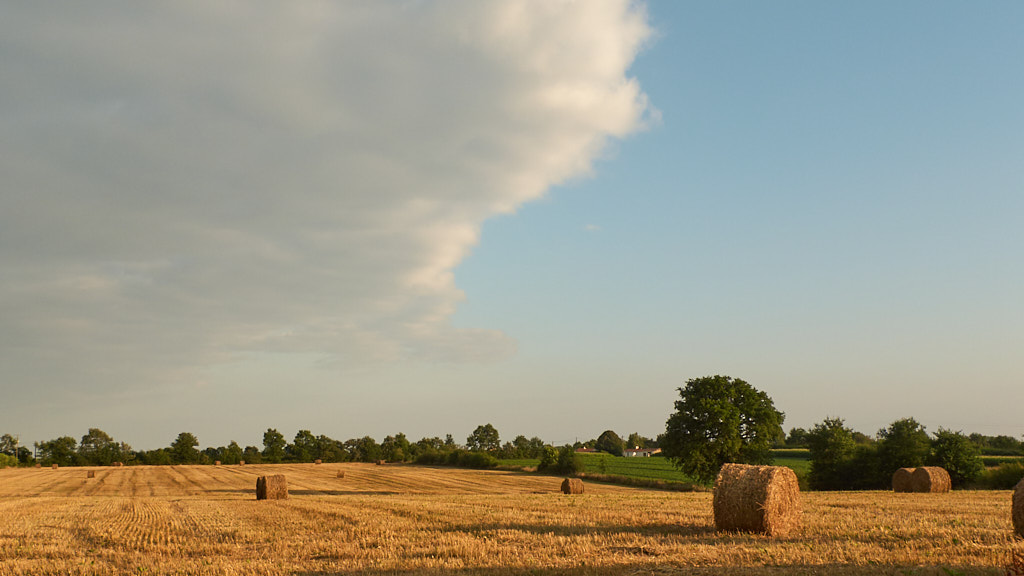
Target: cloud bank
[(187, 183)]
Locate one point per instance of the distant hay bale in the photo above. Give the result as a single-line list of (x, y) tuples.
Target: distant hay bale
[(341, 473), (317, 461), (90, 474), (272, 487), (1018, 509), (118, 464), (902, 480), (38, 465), (55, 466), (931, 479), (381, 462), (216, 462), (241, 462), (763, 499), (572, 486)]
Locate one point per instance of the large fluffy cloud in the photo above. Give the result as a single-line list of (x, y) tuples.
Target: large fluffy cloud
[(185, 182)]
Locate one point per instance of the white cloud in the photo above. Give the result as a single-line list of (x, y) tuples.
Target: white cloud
[(187, 181)]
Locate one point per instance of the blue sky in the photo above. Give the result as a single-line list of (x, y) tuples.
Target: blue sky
[(545, 216)]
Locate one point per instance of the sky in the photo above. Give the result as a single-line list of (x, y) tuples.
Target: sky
[(364, 218)]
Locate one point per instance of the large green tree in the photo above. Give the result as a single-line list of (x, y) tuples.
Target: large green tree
[(720, 419), (610, 442), (274, 446), (831, 449), (958, 455), (62, 451), (99, 448), (485, 437), (183, 449), (904, 444)]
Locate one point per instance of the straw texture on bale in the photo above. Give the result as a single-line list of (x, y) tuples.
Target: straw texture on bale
[(272, 487), (90, 474), (572, 486), (763, 499), (902, 480), (341, 473), (1018, 509), (931, 479)]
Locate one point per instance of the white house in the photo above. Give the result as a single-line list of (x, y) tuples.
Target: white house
[(641, 452)]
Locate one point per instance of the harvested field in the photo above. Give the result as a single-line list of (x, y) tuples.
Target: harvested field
[(405, 519)]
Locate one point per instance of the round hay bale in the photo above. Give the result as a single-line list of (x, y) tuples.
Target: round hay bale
[(272, 487), (764, 499), (931, 479), (341, 473), (55, 466), (216, 462), (1018, 509), (381, 462), (902, 480), (572, 486), (38, 465), (318, 461), (90, 474), (241, 462), (118, 464)]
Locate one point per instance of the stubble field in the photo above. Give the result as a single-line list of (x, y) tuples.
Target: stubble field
[(415, 520)]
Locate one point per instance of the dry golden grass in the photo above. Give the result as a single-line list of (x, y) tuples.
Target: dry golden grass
[(412, 520)]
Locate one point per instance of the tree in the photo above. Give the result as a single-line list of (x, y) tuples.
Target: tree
[(719, 419), (274, 446), (610, 442), (637, 441), (183, 449), (61, 451), (8, 445), (395, 448), (832, 447), (904, 444), (958, 455), (303, 447), (99, 449), (232, 454), (252, 455), (485, 437), (797, 438)]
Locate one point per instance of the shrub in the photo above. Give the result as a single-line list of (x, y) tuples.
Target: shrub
[(8, 460), (1005, 477)]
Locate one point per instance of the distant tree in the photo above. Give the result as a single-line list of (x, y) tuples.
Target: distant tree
[(832, 447), (99, 449), (435, 444), (183, 449), (274, 446), (62, 451), (449, 442), (797, 438), (395, 448), (364, 449), (330, 450), (610, 442), (904, 444), (958, 455), (8, 445), (719, 419), (484, 438), (637, 441), (303, 448), (232, 454), (562, 460), (252, 455)]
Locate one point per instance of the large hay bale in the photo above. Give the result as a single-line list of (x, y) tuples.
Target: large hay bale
[(763, 499), (341, 473), (902, 480), (1018, 509), (572, 486), (931, 479), (272, 487), (90, 474)]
